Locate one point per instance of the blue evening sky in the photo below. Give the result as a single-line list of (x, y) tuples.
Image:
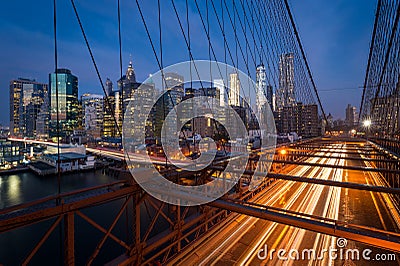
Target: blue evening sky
[(335, 35)]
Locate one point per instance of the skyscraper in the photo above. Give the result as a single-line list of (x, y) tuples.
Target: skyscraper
[(109, 87), (68, 104), (92, 109), (115, 106), (26, 100), (173, 81), (141, 98), (261, 85), (128, 82), (118, 113), (385, 115), (202, 115), (270, 97), (43, 118), (234, 89), (351, 115), (126, 86), (285, 96), (130, 74), (172, 96), (300, 118), (219, 84), (109, 127), (174, 87)]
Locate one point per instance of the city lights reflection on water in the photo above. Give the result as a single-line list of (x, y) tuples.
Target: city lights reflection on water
[(24, 187), (13, 192)]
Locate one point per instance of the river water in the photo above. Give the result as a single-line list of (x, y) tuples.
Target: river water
[(15, 245)]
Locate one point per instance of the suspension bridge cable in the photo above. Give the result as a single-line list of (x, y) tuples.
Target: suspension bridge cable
[(120, 56), (95, 66), (58, 201), (371, 48), (305, 59), (57, 100), (392, 35)]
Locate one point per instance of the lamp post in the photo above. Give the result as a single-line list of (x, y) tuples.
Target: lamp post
[(367, 124)]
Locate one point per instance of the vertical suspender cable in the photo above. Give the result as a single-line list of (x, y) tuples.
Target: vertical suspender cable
[(163, 82), (305, 59), (57, 109), (95, 66), (371, 48), (120, 58), (387, 55), (58, 201), (122, 93)]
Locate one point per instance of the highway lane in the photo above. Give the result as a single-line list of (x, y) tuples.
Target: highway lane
[(325, 203), (239, 243), (319, 200), (234, 241), (368, 208), (377, 211)]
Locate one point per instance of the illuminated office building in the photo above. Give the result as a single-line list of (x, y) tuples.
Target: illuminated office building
[(285, 96), (223, 96), (109, 127), (351, 115), (68, 105), (234, 90), (27, 106), (172, 95), (92, 114), (126, 86), (300, 118), (109, 87), (261, 85)]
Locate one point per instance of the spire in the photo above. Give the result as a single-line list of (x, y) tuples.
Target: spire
[(130, 72)]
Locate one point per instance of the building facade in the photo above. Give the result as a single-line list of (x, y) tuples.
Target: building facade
[(234, 89), (142, 98), (10, 154), (351, 116), (285, 96), (109, 87), (261, 86), (172, 95), (301, 118), (92, 109), (28, 106), (203, 125), (109, 127), (385, 115), (126, 86), (223, 96), (67, 111)]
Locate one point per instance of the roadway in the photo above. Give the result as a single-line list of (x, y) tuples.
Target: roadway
[(243, 240)]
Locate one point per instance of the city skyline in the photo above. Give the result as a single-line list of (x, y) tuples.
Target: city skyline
[(262, 86), (114, 95), (333, 60)]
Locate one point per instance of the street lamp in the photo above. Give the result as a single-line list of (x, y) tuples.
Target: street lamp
[(367, 123)]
